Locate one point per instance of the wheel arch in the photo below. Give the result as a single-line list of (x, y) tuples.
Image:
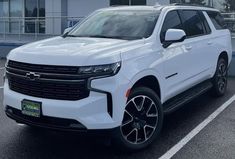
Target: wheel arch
[(149, 81), (224, 55)]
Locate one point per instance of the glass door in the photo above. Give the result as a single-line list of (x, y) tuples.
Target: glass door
[(34, 16)]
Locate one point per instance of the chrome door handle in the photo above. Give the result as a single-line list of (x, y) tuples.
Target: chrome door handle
[(188, 47), (209, 42)]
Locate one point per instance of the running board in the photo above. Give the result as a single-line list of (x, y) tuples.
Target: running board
[(176, 102)]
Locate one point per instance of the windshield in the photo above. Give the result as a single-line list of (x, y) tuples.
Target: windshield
[(127, 25)]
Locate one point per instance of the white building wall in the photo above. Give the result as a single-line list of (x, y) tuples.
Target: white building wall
[(85, 7), (55, 9)]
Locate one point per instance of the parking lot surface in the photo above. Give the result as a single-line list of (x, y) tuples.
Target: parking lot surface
[(216, 140)]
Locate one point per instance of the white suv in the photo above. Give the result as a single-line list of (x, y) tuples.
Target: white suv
[(119, 71)]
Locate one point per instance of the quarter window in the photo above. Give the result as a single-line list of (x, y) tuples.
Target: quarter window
[(217, 20), (193, 25), (205, 23), (172, 21)]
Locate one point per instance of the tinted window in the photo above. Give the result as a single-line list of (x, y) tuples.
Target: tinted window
[(205, 23), (217, 20), (172, 21), (193, 25)]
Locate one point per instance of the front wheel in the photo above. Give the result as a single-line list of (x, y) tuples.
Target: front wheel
[(142, 120), (220, 78)]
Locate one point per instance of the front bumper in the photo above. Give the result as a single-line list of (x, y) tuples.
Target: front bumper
[(57, 124), (44, 121), (92, 113)]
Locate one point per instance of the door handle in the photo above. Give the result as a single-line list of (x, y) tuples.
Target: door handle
[(188, 47), (209, 42)]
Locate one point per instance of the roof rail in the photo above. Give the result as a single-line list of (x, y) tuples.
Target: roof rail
[(191, 4)]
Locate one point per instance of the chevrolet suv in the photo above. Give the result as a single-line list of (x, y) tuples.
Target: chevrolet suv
[(119, 71)]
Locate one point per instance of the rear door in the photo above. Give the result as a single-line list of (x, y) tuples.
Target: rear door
[(199, 44)]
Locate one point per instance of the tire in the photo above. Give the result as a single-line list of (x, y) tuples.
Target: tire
[(220, 79), (142, 121)]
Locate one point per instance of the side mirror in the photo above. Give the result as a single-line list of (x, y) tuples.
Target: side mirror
[(174, 36), (67, 30)]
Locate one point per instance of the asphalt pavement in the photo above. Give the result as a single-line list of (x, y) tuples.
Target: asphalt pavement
[(217, 140)]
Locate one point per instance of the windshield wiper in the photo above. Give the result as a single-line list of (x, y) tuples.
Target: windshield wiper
[(115, 37), (69, 35), (104, 36), (99, 36)]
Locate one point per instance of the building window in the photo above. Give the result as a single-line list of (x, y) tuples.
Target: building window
[(127, 2), (34, 16), (11, 16), (16, 9), (4, 14)]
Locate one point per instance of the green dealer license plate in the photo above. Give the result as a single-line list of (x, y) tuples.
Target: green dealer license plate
[(31, 108)]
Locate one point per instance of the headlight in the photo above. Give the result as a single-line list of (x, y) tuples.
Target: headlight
[(101, 70), (4, 73)]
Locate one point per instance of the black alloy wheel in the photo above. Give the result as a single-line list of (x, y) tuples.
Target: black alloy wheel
[(142, 120), (220, 79)]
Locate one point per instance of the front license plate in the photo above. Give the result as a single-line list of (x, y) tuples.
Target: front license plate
[(31, 108)]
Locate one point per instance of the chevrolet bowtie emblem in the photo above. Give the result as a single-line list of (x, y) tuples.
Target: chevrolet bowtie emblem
[(32, 76)]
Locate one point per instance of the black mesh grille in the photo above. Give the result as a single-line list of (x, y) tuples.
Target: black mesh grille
[(43, 68), (48, 87)]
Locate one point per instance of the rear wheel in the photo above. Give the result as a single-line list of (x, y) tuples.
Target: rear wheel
[(142, 120), (220, 78)]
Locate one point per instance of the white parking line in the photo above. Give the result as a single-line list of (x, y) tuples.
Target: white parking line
[(1, 68), (1, 87), (170, 153)]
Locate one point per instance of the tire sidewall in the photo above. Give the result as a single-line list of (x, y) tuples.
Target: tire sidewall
[(216, 90), (118, 137)]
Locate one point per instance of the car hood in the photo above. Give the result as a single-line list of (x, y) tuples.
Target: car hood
[(72, 51)]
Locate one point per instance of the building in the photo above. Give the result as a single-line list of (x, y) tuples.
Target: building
[(51, 17), (23, 21)]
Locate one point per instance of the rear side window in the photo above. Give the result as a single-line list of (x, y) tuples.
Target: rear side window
[(193, 25), (172, 21), (205, 23), (217, 20)]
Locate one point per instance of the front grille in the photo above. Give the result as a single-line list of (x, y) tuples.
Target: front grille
[(55, 85), (44, 68)]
